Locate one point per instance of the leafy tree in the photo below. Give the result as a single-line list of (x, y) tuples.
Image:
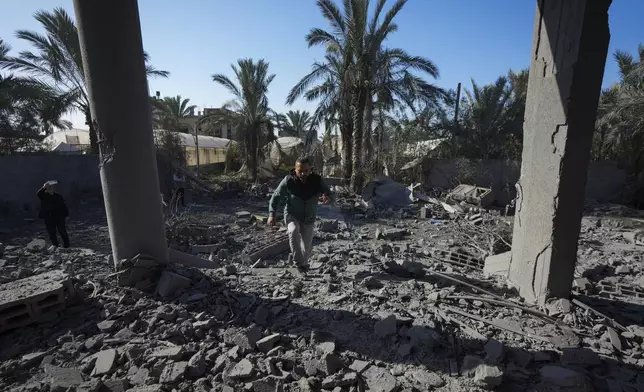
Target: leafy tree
[(170, 111), (327, 83), (359, 73), (249, 110), (56, 61), (491, 118), (29, 109), (620, 125)]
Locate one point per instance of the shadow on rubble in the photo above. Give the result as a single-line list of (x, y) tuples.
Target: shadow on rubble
[(620, 310), (423, 340)]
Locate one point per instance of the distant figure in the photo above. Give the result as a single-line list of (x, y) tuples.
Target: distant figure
[(300, 191), (179, 187), (53, 211)]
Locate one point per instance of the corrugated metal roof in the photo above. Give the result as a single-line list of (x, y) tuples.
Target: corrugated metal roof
[(81, 137)]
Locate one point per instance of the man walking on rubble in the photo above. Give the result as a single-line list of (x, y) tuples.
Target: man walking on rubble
[(53, 211), (301, 190)]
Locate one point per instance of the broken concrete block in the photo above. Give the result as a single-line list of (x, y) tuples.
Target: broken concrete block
[(171, 283), (37, 244), (173, 372), (267, 343), (613, 337), (191, 260), (558, 306), (582, 284), (197, 365), (63, 378), (379, 380), (243, 369), (104, 362), (167, 352), (359, 366), (116, 385), (623, 270), (325, 348), (390, 234), (426, 380), (405, 268), (489, 376), (498, 265)]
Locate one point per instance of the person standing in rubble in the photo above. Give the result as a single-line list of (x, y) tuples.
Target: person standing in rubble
[(301, 190), (53, 211), (179, 188)]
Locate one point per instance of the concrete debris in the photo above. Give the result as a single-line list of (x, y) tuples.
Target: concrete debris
[(409, 310), (488, 376), (266, 344), (498, 264), (425, 379), (242, 370), (379, 379), (104, 362), (173, 372), (171, 282), (482, 197)]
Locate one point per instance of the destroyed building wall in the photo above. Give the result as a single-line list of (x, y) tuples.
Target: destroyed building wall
[(22, 175), (604, 183)]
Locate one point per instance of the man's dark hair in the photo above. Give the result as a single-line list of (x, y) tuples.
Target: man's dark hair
[(304, 161)]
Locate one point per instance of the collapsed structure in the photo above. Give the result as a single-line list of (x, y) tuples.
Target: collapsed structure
[(569, 53)]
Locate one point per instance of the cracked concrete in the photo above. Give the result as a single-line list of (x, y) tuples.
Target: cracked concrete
[(570, 45)]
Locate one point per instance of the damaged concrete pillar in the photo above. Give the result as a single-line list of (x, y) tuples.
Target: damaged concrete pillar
[(112, 51), (569, 50)]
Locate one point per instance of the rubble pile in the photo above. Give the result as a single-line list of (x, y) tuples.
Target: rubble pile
[(394, 301)]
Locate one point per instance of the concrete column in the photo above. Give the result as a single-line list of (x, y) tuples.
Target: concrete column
[(569, 50), (112, 51)]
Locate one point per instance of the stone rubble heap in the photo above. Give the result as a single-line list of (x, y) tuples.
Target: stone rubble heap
[(380, 311)]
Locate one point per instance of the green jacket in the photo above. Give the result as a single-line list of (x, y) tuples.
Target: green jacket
[(301, 197)]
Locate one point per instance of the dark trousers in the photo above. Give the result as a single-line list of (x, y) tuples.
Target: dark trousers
[(57, 225), (179, 196)]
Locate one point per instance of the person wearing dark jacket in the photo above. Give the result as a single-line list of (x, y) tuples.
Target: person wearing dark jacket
[(300, 191), (53, 211)]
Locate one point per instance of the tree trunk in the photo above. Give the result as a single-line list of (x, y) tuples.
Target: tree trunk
[(346, 132), (93, 138), (253, 155), (368, 147), (357, 175)]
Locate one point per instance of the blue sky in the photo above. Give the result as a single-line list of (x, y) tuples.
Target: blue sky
[(478, 39)]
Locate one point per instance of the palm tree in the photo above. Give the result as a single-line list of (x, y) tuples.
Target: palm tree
[(249, 110), (23, 97), (302, 125), (491, 118), (298, 123), (363, 71), (171, 110), (333, 95), (57, 61), (621, 118)]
